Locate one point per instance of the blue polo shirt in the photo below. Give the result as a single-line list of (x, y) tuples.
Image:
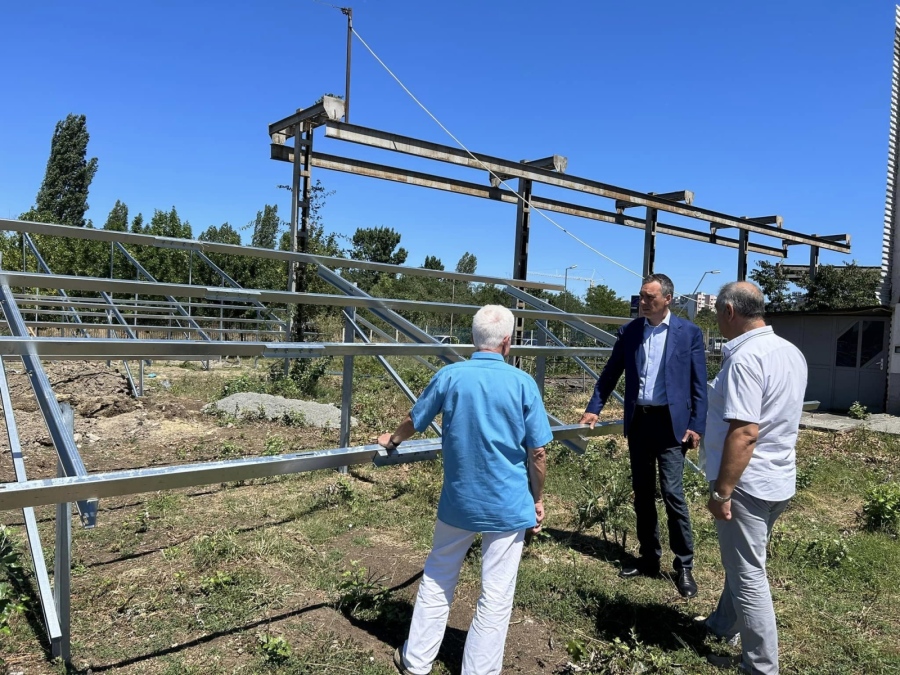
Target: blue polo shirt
[(492, 412)]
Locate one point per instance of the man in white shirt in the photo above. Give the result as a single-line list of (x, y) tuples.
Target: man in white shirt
[(755, 404)]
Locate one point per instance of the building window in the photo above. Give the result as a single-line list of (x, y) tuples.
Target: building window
[(848, 348)]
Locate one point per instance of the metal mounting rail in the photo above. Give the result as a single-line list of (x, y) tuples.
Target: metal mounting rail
[(567, 319), (48, 607), (78, 349), (40, 260), (62, 438), (231, 282), (171, 299), (375, 329), (394, 375), (249, 251), (98, 284), (151, 479)]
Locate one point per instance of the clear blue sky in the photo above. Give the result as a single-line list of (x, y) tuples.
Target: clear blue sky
[(759, 108)]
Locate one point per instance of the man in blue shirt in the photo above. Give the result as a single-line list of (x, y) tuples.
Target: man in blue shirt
[(664, 362), (494, 430)]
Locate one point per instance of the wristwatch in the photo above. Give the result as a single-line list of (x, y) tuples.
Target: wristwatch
[(719, 498), (394, 444)]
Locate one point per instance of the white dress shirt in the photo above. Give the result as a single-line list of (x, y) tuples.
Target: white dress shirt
[(762, 381), (652, 387)]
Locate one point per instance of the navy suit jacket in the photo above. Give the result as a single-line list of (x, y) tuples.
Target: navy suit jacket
[(684, 370)]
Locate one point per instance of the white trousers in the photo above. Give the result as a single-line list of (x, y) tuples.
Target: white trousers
[(500, 554)]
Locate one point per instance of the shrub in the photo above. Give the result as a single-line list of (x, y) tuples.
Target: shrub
[(274, 649), (881, 507), (858, 411)]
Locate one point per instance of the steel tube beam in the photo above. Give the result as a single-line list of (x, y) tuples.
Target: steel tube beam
[(215, 293), (393, 374), (177, 305), (62, 440), (45, 592), (445, 153), (231, 282), (381, 171), (567, 319), (151, 479), (78, 349), (91, 234), (375, 329)]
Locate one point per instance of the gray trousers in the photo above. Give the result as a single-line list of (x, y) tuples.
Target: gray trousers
[(746, 603)]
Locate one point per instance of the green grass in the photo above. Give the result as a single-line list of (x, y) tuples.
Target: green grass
[(218, 567)]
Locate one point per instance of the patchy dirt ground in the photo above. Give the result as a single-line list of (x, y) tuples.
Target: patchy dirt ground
[(115, 431)]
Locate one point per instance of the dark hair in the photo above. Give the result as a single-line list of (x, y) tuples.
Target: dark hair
[(665, 283), (746, 299)]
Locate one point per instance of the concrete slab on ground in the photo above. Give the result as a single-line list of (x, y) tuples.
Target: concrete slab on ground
[(822, 421)]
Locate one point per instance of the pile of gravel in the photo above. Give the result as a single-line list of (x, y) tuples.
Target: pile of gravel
[(247, 404)]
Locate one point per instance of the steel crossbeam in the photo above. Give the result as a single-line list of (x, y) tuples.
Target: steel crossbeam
[(134, 481), (63, 441), (78, 349), (22, 279), (568, 319), (444, 153), (231, 282), (91, 234), (177, 305), (48, 607), (389, 369)]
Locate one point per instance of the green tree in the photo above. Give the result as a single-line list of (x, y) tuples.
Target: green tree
[(62, 198), (603, 301), (706, 319), (841, 287), (118, 218), (433, 263), (774, 284), (374, 244), (165, 264), (467, 263)]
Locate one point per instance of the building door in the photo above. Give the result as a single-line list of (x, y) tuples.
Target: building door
[(859, 365)]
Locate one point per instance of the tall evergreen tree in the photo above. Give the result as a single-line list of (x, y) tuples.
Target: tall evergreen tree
[(63, 195), (118, 218)]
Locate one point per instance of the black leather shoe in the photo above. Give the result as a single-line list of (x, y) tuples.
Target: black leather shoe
[(686, 584), (640, 569)]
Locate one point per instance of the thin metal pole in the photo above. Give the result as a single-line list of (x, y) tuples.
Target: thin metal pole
[(62, 563), (348, 12), (540, 363), (347, 382)]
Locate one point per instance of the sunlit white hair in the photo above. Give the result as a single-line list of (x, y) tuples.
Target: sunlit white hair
[(491, 324)]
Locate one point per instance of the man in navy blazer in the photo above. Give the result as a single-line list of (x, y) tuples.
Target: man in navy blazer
[(664, 361)]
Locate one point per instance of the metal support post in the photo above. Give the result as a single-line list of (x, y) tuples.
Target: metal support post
[(62, 560), (305, 204), (540, 363), (347, 382), (743, 242), (813, 262), (649, 242), (348, 12), (520, 259)]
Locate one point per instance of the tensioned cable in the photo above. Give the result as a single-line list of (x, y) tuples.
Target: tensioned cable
[(469, 152)]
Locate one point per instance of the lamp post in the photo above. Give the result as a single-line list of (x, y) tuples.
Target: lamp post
[(694, 294), (566, 287)]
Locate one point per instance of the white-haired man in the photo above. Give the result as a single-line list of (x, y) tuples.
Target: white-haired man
[(755, 403), (493, 436)]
